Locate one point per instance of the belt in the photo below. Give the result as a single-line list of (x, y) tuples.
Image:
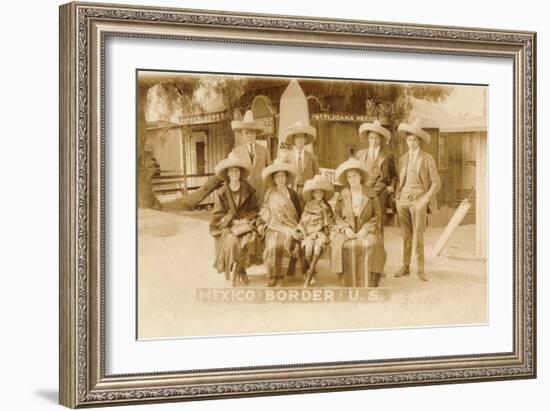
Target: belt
[(409, 196)]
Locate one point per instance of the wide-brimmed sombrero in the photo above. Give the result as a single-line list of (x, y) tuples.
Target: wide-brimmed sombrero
[(279, 165), (351, 164), (377, 128), (318, 183), (247, 123), (232, 161), (299, 128), (414, 128)]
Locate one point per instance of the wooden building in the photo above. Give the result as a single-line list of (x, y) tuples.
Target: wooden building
[(188, 152), (459, 146)]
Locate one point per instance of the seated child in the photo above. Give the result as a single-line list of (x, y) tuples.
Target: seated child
[(315, 222)]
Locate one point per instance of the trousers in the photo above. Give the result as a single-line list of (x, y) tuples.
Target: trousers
[(412, 219)]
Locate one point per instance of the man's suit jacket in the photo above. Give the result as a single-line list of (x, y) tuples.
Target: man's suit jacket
[(427, 173), (310, 166), (386, 166), (261, 160)]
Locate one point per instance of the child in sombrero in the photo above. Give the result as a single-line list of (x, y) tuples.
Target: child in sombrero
[(315, 222)]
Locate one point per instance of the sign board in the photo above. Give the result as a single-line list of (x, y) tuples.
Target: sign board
[(293, 295), (342, 117)]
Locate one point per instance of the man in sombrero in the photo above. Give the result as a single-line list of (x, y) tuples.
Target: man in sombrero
[(416, 192), (380, 164), (255, 154)]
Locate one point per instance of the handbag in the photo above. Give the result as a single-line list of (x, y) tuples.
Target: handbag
[(241, 228)]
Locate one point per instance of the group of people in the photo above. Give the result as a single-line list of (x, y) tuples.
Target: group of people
[(279, 213)]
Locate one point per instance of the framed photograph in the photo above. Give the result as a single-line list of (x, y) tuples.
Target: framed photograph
[(261, 204)]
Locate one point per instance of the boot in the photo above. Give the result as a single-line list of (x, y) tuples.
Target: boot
[(308, 260), (311, 271), (234, 275), (244, 277)]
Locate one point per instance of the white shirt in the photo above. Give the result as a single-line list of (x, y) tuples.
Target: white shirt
[(373, 152), (250, 148), (413, 155)]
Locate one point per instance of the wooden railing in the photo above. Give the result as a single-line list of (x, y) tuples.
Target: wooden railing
[(169, 186)]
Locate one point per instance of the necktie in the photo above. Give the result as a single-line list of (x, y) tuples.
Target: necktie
[(300, 165), (251, 152)]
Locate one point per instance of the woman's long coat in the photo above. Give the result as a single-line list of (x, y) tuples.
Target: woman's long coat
[(281, 214), (348, 255), (246, 248)]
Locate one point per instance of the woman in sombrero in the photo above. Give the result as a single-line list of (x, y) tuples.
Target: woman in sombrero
[(357, 250), (233, 220), (379, 163), (281, 214)]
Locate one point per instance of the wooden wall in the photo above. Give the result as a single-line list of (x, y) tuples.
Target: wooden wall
[(218, 143)]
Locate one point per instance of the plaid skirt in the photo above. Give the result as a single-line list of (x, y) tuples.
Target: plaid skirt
[(230, 249), (282, 255), (360, 258)]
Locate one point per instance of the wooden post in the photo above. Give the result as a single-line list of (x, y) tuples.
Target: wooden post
[(458, 216), (481, 196), (184, 133)]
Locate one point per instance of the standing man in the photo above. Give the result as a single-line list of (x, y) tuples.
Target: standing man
[(256, 154), (380, 165), (418, 185), (305, 162)]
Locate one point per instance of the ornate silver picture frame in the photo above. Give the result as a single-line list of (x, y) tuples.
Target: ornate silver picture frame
[(86, 28)]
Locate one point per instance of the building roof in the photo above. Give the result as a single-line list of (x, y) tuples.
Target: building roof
[(433, 115), (160, 124)]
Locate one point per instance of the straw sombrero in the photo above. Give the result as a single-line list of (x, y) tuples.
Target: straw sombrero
[(414, 128), (377, 128), (279, 165), (247, 122), (351, 164), (318, 183), (299, 128), (232, 161)]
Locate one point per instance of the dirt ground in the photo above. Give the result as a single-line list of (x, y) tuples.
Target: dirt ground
[(175, 258)]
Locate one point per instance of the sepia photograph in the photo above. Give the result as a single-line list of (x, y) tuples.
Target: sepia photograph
[(276, 204)]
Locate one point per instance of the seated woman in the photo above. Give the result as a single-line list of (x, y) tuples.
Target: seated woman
[(357, 249), (281, 213), (232, 224)]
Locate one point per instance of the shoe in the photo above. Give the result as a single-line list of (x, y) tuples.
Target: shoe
[(272, 282), (403, 271), (313, 279), (422, 275)]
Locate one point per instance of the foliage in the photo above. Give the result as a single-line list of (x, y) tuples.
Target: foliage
[(171, 96)]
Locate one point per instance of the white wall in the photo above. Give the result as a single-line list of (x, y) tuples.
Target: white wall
[(28, 217)]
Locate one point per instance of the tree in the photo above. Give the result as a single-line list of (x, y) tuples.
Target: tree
[(184, 94)]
